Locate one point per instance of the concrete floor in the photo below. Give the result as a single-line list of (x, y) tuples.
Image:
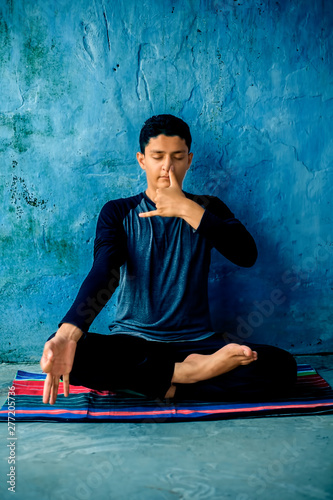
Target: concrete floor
[(287, 458)]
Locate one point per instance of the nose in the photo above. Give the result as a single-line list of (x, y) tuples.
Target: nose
[(167, 164)]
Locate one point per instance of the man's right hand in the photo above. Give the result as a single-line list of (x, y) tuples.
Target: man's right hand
[(57, 360)]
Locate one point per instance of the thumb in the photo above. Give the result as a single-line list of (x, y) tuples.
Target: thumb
[(47, 359)]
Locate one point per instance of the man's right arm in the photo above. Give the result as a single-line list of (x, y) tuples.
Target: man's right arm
[(103, 278), (98, 287)]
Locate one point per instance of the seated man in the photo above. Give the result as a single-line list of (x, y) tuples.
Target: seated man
[(156, 247)]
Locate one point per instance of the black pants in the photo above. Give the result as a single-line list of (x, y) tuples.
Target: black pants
[(129, 363)]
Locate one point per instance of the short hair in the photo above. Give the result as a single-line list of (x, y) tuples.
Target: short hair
[(168, 125)]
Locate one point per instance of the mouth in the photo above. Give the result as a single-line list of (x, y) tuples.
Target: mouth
[(164, 177)]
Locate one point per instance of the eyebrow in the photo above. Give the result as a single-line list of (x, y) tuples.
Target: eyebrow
[(155, 151)]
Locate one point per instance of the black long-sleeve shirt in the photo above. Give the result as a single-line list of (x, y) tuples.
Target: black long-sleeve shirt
[(161, 265)]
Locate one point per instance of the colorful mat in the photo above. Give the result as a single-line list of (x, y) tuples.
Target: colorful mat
[(313, 395)]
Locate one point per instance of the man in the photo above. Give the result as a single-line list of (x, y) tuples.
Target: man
[(156, 247)]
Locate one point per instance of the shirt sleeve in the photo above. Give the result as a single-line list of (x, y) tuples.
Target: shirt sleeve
[(226, 234), (103, 278)]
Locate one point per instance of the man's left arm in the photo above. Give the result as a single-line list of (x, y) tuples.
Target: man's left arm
[(226, 233)]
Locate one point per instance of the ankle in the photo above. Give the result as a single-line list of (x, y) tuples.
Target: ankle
[(170, 392), (185, 372)]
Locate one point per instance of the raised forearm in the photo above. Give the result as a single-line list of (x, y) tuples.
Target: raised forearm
[(191, 212)]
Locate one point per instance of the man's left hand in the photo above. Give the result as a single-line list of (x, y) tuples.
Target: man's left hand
[(168, 200)]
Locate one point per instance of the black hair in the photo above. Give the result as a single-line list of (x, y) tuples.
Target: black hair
[(168, 125)]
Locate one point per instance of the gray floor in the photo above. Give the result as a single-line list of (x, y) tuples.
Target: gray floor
[(269, 458)]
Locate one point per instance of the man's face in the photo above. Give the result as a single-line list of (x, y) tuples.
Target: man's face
[(160, 154)]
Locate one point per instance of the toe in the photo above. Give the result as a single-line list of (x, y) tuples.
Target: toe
[(247, 351)]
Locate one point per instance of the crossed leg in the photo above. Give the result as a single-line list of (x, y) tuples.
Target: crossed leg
[(199, 367), (272, 374), (190, 370)]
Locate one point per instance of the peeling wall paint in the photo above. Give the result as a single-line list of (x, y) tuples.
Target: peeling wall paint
[(254, 81)]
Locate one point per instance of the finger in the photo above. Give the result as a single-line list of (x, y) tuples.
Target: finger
[(65, 380), (152, 213), (172, 177), (54, 390), (47, 388)]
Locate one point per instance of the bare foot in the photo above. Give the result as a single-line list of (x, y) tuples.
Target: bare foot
[(197, 367)]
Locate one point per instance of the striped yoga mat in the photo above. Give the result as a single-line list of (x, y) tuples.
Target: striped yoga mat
[(313, 395)]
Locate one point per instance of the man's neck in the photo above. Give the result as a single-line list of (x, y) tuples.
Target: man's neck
[(151, 194)]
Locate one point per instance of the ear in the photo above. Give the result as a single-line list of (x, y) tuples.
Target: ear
[(190, 158), (141, 160)]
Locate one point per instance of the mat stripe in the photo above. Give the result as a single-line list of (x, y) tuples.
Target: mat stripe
[(313, 395)]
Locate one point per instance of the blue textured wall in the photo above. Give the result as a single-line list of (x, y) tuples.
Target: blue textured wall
[(253, 80)]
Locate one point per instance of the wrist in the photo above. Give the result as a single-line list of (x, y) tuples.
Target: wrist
[(185, 207), (191, 212), (70, 332)]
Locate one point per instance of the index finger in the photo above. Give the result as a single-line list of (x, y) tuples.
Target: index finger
[(47, 388), (152, 213)]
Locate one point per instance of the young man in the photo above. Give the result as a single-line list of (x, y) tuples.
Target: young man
[(156, 247)]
